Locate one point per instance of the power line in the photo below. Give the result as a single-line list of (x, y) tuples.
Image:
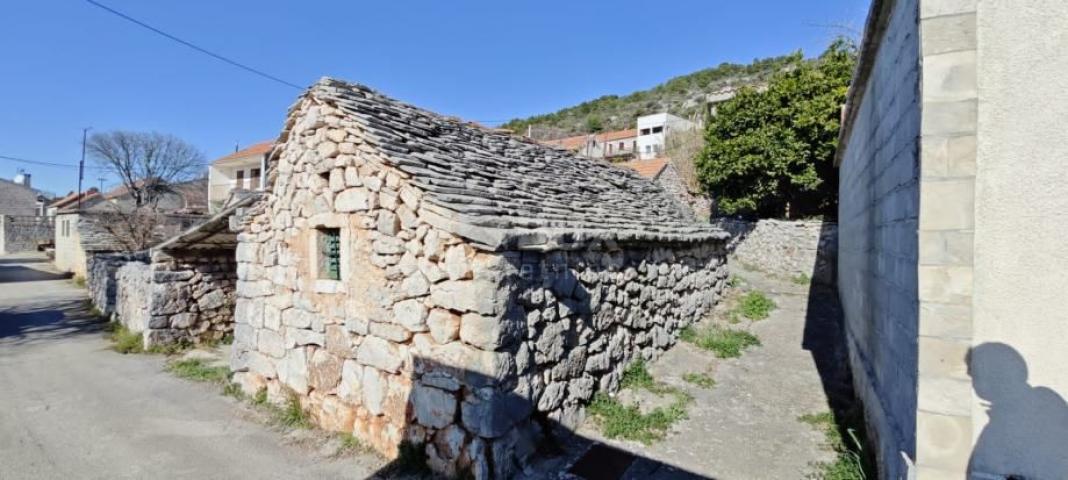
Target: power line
[(193, 46)]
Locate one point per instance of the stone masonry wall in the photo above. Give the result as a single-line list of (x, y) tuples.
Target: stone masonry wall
[(101, 278), (133, 288), (785, 248), (878, 208), (178, 297), (24, 233), (426, 339), (192, 296)]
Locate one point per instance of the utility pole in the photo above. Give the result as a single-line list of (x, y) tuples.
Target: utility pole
[(81, 167), (101, 190)]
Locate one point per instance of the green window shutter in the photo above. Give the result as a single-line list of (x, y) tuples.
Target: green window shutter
[(330, 253)]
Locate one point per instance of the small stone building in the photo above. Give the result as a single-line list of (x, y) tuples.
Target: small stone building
[(415, 279)]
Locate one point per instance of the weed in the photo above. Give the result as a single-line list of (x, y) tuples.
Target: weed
[(623, 421), (349, 443), (756, 306), (637, 376), (233, 390), (734, 281), (702, 380), (124, 341), (78, 281), (852, 462), (228, 339), (198, 370), (260, 398), (292, 414), (172, 348), (724, 342), (801, 279)]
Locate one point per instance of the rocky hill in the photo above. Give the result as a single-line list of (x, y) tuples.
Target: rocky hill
[(684, 95)]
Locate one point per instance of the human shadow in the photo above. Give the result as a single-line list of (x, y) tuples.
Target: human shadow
[(32, 324), (1027, 432)]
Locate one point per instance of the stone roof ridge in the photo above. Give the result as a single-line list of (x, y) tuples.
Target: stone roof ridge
[(503, 191)]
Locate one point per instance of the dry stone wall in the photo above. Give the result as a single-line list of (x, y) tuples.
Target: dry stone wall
[(183, 296), (24, 233), (102, 279), (787, 248), (470, 354)]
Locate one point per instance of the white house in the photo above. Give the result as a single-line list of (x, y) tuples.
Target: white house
[(241, 170), (653, 131)]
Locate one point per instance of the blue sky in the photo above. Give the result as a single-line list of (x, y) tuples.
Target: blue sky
[(66, 64)]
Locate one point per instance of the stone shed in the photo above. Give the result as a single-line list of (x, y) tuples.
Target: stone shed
[(413, 278), (182, 290)]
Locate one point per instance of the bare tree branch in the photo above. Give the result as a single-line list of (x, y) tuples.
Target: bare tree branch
[(147, 164)]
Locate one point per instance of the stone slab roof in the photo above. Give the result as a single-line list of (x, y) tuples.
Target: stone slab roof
[(215, 233), (506, 192)]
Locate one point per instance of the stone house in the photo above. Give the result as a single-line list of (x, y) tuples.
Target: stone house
[(411, 278), (952, 220)]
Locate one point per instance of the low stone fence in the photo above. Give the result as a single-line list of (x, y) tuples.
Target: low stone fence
[(178, 296), (785, 248), (25, 233), (101, 277), (192, 296)]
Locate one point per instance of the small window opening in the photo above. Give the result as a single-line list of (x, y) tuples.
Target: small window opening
[(658, 129), (329, 254)]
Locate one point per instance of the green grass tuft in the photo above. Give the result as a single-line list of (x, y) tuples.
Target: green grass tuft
[(260, 398), (627, 422), (233, 390), (801, 279), (78, 281), (292, 414), (734, 281), (756, 306), (198, 370), (702, 380), (853, 462), (124, 341), (171, 348), (723, 342)]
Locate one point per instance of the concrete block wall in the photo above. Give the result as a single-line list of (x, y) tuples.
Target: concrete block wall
[(879, 193)]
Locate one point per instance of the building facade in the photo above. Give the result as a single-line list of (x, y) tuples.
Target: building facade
[(654, 130), (951, 218), (410, 278), (237, 172)]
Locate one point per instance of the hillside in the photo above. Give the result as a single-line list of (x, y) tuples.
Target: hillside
[(681, 96)]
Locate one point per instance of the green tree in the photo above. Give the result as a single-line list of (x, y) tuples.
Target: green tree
[(594, 124), (770, 153)]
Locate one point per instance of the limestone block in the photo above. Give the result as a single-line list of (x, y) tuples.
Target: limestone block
[(270, 343), (324, 371), (295, 337), (489, 413), (350, 387), (354, 200), (293, 371), (488, 332), (212, 299), (433, 407), (469, 296), (390, 331), (411, 314), (380, 354), (444, 325), (388, 223), (456, 263), (416, 285), (374, 391)]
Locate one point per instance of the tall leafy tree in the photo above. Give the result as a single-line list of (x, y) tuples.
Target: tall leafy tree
[(770, 153)]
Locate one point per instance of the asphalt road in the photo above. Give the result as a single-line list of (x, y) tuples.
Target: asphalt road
[(71, 408)]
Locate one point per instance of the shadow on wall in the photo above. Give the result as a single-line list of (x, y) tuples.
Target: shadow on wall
[(1027, 432), (36, 324), (825, 339), (533, 448)]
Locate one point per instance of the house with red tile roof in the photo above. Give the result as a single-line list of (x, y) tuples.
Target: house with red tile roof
[(241, 171), (618, 145)]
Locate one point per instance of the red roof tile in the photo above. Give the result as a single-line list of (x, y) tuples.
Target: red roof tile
[(256, 149), (647, 168)]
